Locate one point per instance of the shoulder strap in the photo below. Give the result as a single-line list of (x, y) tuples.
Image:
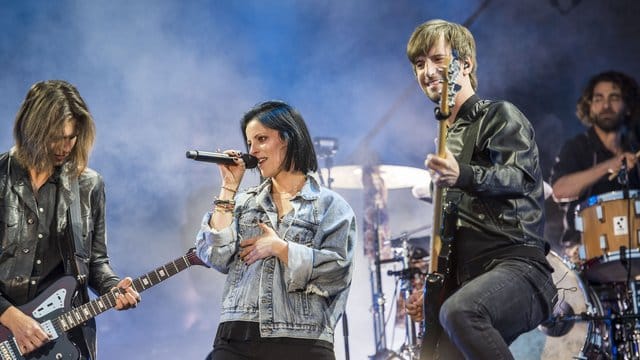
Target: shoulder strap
[(453, 195), (76, 227), (470, 137)]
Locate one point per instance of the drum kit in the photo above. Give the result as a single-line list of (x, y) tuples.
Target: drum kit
[(596, 315)]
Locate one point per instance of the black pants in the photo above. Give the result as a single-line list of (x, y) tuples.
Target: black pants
[(268, 351), (242, 341)]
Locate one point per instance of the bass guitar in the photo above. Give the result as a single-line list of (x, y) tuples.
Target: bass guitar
[(52, 308), (440, 248)]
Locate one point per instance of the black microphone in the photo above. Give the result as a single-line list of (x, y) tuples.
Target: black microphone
[(250, 161)]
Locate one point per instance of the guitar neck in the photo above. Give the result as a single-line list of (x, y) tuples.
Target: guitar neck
[(107, 301), (436, 240)]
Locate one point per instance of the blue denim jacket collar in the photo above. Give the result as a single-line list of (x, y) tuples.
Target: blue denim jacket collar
[(310, 191)]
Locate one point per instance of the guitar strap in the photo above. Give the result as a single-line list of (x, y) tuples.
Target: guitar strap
[(72, 242), (470, 136), (75, 235)]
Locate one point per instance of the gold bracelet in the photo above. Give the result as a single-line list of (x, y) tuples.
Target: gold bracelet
[(222, 210), (230, 189), (230, 203), (223, 205)]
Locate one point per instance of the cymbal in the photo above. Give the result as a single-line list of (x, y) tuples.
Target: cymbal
[(418, 241), (423, 191), (394, 176)]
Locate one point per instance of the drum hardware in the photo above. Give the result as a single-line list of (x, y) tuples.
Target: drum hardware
[(620, 303), (409, 350), (377, 295), (414, 243), (374, 180), (587, 317), (379, 301), (394, 176)]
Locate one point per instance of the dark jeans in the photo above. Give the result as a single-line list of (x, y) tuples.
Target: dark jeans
[(490, 311)]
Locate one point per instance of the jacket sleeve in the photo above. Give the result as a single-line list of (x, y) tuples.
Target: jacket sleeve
[(325, 269), (101, 276), (216, 248), (509, 165), (573, 157)]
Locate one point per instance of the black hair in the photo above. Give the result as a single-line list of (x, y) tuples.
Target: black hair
[(278, 115)]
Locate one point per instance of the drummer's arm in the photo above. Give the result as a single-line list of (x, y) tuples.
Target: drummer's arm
[(570, 186)]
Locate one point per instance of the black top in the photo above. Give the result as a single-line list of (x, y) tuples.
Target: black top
[(499, 189), (48, 265)]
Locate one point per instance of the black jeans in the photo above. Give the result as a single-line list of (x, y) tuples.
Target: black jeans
[(242, 341), (490, 311)]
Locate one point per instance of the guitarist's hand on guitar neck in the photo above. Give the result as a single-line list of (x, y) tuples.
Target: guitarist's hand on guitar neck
[(126, 296), (27, 332), (444, 171)]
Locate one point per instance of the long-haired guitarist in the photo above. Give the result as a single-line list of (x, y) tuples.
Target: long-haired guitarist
[(42, 178), (500, 285)]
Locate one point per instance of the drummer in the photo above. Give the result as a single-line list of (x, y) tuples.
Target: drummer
[(603, 158)]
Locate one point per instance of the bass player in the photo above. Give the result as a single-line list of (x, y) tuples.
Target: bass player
[(499, 284)]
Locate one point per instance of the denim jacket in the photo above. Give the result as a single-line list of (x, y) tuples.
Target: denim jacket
[(305, 298)]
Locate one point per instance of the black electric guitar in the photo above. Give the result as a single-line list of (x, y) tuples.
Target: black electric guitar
[(53, 310), (441, 245)]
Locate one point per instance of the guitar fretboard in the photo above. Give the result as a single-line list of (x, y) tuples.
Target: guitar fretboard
[(107, 301)]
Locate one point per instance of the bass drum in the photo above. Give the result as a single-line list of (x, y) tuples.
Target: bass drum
[(564, 340)]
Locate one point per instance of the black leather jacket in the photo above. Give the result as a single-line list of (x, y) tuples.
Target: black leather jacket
[(17, 254), (501, 186)]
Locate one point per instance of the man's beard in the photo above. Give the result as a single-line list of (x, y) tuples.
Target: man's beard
[(608, 124)]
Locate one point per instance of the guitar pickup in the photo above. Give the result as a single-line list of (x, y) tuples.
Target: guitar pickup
[(48, 327)]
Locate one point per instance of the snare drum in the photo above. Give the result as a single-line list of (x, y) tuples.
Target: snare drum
[(562, 340), (608, 222)]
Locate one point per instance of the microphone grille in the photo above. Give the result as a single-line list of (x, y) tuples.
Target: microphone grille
[(250, 161)]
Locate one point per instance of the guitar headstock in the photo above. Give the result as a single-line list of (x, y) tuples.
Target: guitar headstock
[(193, 258), (449, 86)]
